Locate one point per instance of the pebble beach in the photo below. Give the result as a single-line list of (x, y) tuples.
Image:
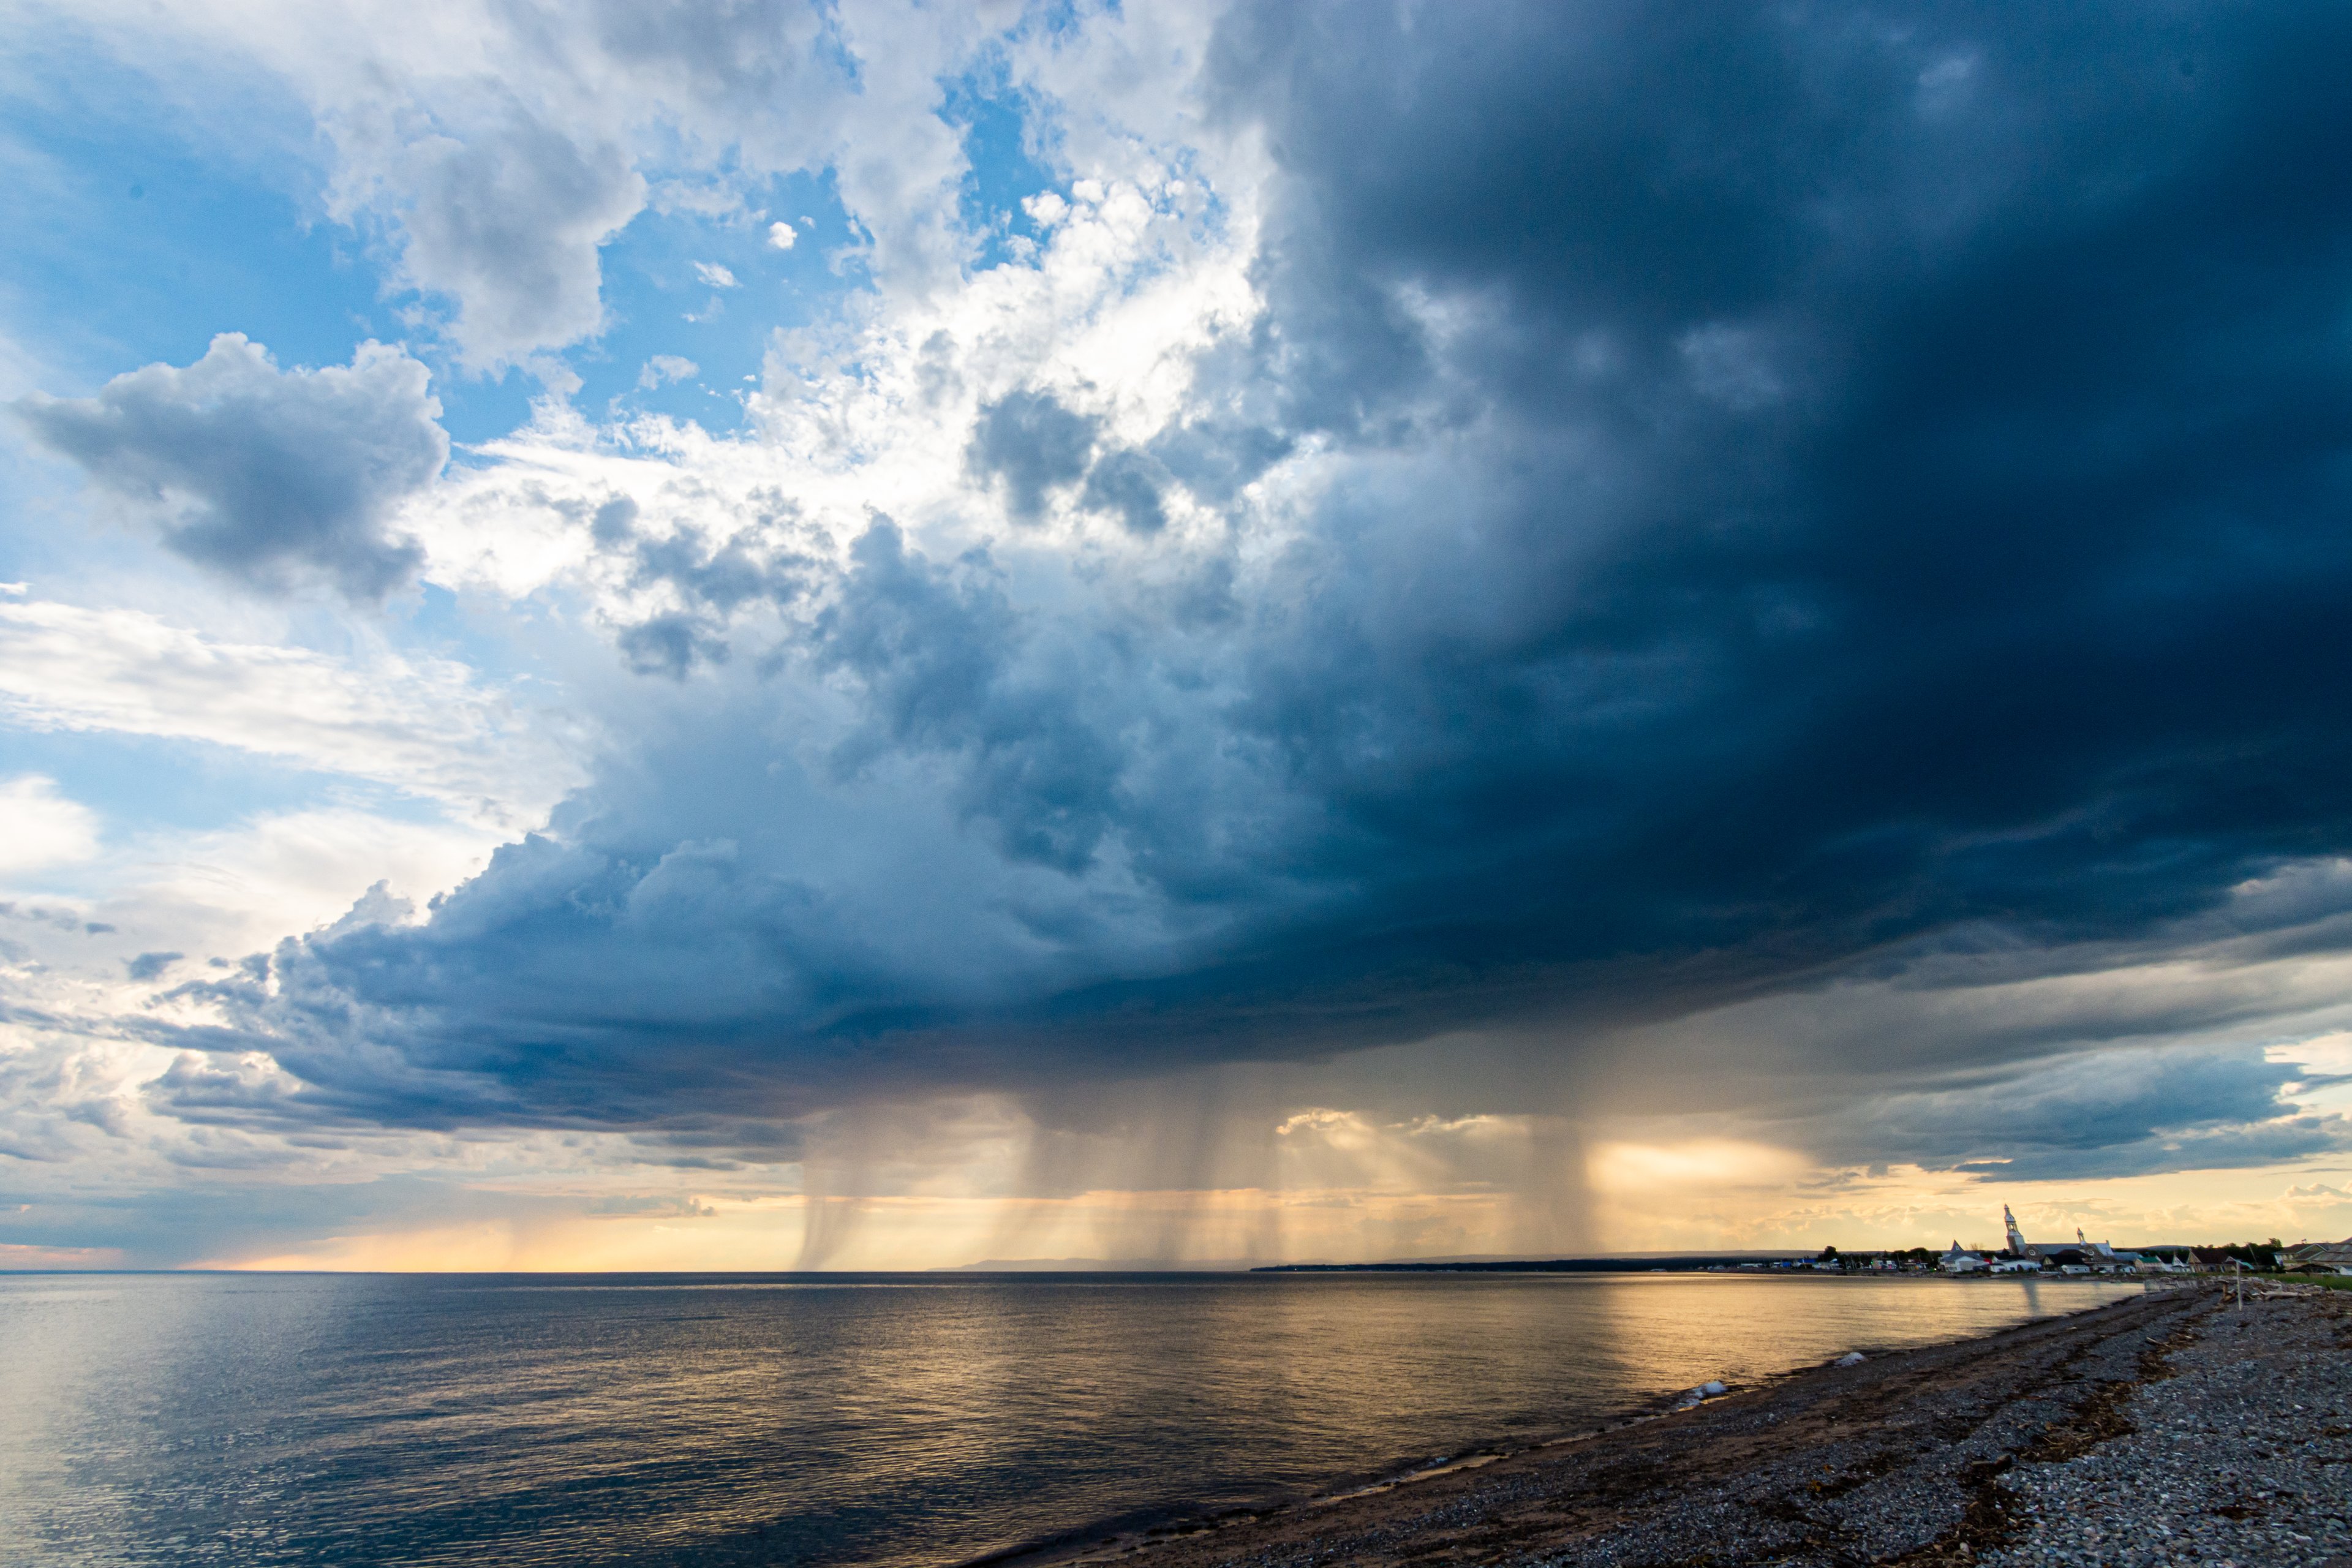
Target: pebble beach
[(2179, 1427), (2239, 1457)]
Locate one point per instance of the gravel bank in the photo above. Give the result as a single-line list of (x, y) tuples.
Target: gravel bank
[(2169, 1428), (2243, 1456)]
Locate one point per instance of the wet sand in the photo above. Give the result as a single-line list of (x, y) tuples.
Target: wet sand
[(1912, 1457)]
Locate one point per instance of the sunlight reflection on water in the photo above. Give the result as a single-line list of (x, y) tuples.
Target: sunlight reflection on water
[(841, 1419)]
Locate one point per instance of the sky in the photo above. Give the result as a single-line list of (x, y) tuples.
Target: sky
[(731, 633)]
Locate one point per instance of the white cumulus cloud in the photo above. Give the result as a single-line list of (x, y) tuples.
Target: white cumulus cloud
[(499, 146), (663, 369), (43, 827)]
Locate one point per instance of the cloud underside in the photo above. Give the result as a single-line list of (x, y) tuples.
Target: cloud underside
[(1704, 504)]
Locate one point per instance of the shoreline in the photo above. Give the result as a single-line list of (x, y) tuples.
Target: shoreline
[(1899, 1453)]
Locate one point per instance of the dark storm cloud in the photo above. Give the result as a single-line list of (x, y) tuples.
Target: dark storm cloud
[(151, 965), (671, 644), (615, 521), (1880, 475), (2089, 1115), (1924, 438), (710, 583), (198, 1089), (724, 579), (1031, 444), (933, 651), (1214, 459), (714, 584), (1127, 486), (268, 476)]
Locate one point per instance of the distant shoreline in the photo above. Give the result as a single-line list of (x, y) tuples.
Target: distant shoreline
[(1672, 1264), (1746, 1266)]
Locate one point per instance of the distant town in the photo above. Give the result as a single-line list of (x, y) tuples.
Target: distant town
[(2080, 1257)]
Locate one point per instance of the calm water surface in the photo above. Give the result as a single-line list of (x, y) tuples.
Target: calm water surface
[(263, 1419)]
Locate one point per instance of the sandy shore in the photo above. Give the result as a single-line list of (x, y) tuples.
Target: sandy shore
[(2169, 1428)]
